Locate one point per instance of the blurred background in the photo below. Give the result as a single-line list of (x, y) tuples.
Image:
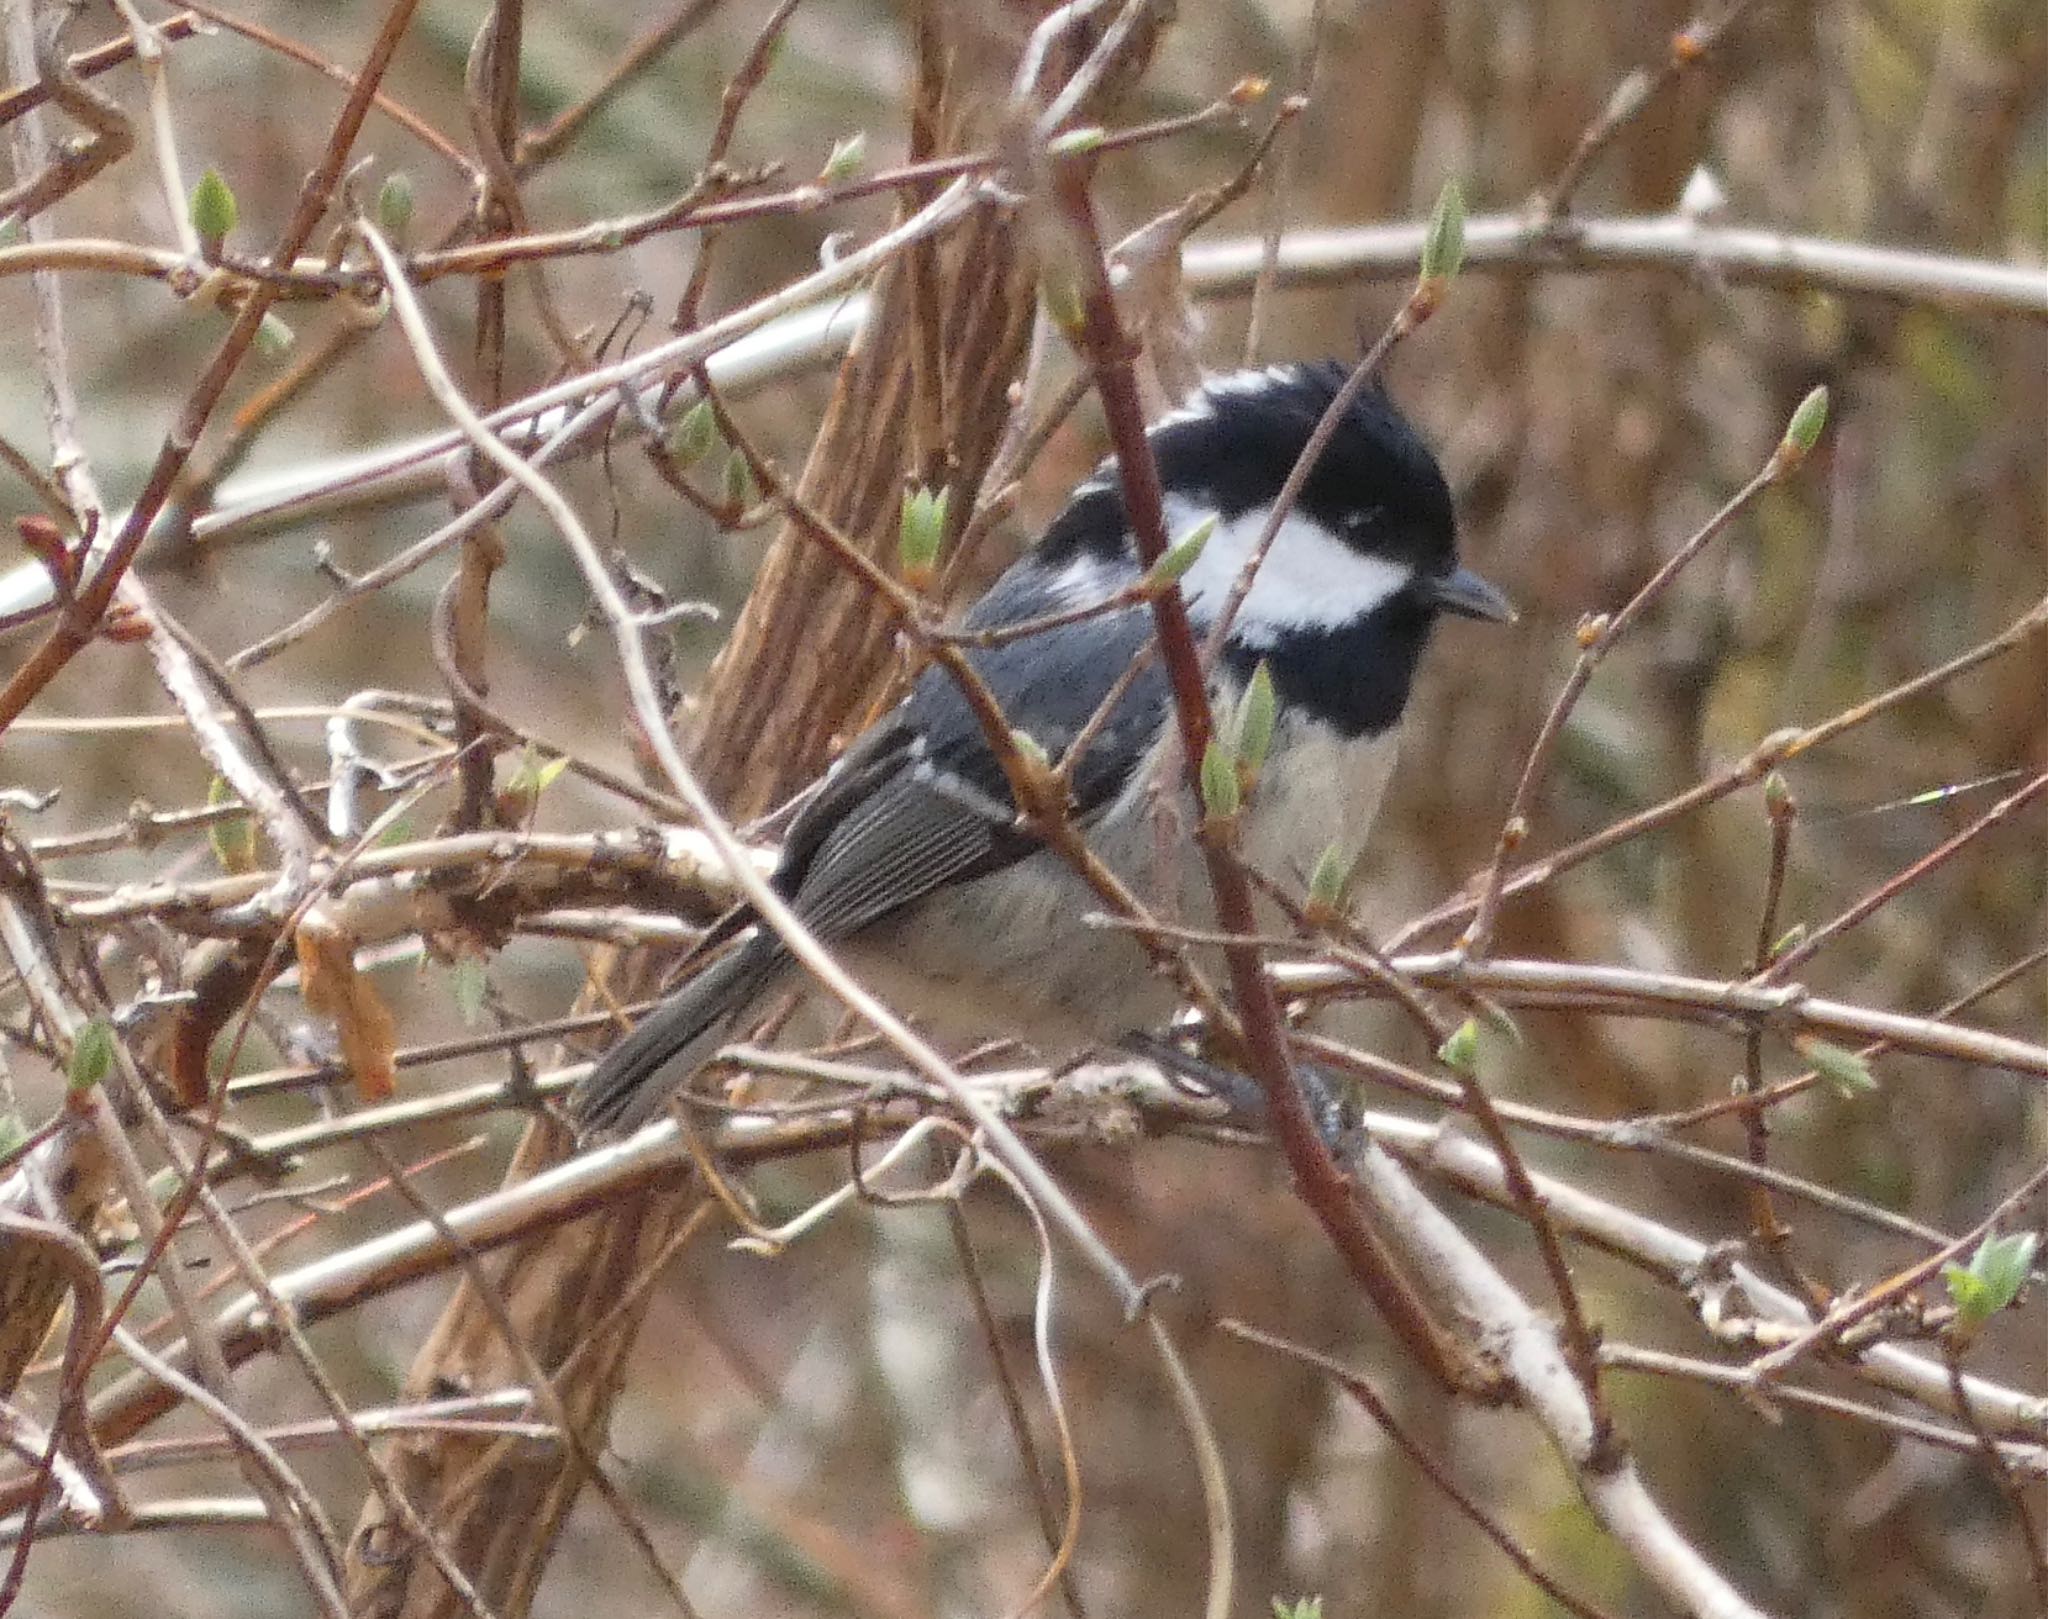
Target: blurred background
[(820, 1435)]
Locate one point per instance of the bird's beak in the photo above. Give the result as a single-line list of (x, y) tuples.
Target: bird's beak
[(1463, 592)]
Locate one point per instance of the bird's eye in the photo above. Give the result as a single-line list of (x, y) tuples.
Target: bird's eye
[(1368, 517)]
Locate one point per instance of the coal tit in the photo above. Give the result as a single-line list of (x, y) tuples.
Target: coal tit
[(908, 859)]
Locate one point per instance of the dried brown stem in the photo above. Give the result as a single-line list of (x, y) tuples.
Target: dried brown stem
[(539, 145), (92, 62), (76, 627), (1689, 47), (1767, 1369), (2032, 1546)]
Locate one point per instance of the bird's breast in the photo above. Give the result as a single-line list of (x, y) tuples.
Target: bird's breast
[(1016, 952), (1319, 787)]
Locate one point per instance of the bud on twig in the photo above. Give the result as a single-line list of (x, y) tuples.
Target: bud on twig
[(1628, 97), (1256, 715), (395, 207), (46, 540), (233, 837), (1040, 790), (1844, 1069), (1074, 142), (1802, 433), (1779, 804), (1063, 301), (212, 212), (1180, 556), (739, 482), (1030, 750), (274, 336), (1991, 1281), (92, 1055), (1443, 252), (1460, 1051), (920, 533), (845, 159), (1221, 794), (1326, 886), (126, 624), (692, 437)]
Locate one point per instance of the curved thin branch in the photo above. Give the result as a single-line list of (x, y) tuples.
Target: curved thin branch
[(1736, 255)]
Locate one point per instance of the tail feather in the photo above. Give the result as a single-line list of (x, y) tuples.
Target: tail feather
[(634, 1078)]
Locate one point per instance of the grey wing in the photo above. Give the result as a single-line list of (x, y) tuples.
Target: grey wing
[(922, 802), (912, 828), (919, 802)]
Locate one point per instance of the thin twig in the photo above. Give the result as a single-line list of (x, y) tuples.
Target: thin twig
[(76, 627), (1677, 244), (1773, 750), (1890, 889), (1772, 1234), (538, 146), (1322, 1186), (1689, 47), (1013, 1403), (1767, 1369), (92, 62), (773, 910), (1280, 186), (1430, 1466), (1716, 1374), (336, 1283), (2032, 1547), (816, 336), (397, 111), (1597, 636)]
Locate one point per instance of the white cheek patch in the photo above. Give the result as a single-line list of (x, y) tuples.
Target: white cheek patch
[(1084, 581), (1310, 579)]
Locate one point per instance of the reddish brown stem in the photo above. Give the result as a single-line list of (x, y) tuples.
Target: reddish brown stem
[(1321, 1184)]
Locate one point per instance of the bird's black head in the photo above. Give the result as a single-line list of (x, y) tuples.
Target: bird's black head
[(1365, 562), (1376, 483), (1361, 569), (1375, 496)]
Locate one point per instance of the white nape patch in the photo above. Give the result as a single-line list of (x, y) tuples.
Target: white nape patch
[(1260, 381), (1198, 406), (1310, 578), (1201, 403)]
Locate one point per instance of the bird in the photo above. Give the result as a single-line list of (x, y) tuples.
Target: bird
[(909, 859)]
